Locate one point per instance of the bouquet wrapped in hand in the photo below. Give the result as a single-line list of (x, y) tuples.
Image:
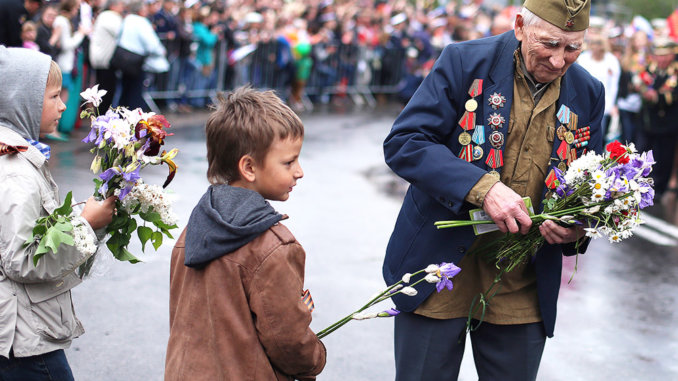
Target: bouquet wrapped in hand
[(602, 194), (125, 141)]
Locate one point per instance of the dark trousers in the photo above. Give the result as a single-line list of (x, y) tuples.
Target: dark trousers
[(108, 81), (430, 349), (132, 90), (663, 149), (51, 366)]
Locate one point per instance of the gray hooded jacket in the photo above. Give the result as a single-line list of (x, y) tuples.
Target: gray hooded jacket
[(225, 219), (36, 312)]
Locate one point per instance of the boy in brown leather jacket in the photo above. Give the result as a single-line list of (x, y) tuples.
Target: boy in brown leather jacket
[(237, 273)]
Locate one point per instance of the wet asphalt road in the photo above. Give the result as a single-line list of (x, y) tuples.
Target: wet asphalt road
[(617, 320)]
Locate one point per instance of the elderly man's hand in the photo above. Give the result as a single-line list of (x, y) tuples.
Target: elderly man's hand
[(507, 209), (556, 234)]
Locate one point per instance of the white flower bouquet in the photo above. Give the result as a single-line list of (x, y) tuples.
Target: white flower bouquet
[(125, 141), (600, 193)]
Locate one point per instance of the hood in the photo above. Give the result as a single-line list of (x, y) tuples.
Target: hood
[(22, 89), (225, 219)]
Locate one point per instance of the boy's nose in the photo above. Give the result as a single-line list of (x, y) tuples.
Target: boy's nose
[(299, 173)]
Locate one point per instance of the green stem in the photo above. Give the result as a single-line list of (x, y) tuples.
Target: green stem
[(386, 294)]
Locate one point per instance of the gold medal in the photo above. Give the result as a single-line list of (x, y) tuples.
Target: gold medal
[(561, 132), (471, 105), (569, 137), (495, 174), (562, 166), (464, 138)]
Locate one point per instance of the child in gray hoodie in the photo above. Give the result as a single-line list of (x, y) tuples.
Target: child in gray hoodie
[(37, 318)]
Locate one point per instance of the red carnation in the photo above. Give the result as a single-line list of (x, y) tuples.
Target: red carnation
[(618, 152)]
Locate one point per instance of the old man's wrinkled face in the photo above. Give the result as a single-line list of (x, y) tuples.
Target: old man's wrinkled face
[(547, 50)]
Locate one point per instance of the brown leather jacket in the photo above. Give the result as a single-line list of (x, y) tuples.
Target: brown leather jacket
[(241, 317)]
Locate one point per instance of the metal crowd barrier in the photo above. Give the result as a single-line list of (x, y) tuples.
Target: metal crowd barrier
[(338, 70)]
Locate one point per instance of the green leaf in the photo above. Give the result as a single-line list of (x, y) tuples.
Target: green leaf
[(37, 257), (156, 239), (131, 226), (124, 255), (38, 230), (150, 216), (65, 209), (63, 225), (144, 234)]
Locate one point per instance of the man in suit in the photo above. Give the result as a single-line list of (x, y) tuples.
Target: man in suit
[(486, 128)]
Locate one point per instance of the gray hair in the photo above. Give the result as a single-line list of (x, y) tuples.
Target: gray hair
[(529, 18), (134, 6)]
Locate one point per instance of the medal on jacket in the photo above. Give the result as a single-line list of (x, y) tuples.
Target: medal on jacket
[(496, 121), (495, 157), (496, 100), (6, 149), (468, 121)]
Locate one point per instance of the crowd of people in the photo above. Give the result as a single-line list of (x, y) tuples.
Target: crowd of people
[(314, 51)]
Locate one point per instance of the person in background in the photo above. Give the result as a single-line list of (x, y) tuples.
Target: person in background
[(13, 13), (206, 33), (48, 37), (29, 32), (69, 41), (605, 67), (102, 45), (139, 37), (658, 85)]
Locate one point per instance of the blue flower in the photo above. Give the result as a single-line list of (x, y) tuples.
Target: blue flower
[(446, 272)]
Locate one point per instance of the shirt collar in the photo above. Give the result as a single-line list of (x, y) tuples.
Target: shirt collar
[(42, 147)]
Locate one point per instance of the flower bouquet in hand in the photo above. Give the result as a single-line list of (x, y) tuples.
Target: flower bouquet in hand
[(125, 141), (441, 275), (601, 194)]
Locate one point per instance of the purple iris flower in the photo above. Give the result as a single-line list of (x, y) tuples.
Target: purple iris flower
[(109, 173), (124, 191), (91, 136), (446, 272), (391, 312), (563, 190), (646, 198), (132, 177), (106, 176)]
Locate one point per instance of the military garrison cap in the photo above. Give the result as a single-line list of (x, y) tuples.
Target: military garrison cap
[(568, 15)]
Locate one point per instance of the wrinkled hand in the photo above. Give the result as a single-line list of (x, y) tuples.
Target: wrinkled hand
[(507, 209), (556, 234), (99, 213)]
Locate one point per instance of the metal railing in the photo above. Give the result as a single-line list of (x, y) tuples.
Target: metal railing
[(353, 71)]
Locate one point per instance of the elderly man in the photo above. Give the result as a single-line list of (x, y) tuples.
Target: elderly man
[(485, 129)]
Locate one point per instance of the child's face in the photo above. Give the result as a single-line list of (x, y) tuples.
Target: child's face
[(280, 170), (52, 107)]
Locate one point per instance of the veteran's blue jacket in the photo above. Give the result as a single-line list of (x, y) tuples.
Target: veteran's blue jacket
[(423, 145)]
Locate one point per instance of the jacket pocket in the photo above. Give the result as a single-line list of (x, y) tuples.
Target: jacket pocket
[(55, 319)]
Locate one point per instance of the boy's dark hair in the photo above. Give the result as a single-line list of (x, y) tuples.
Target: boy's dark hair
[(246, 122)]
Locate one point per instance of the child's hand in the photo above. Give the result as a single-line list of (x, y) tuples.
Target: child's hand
[(99, 213)]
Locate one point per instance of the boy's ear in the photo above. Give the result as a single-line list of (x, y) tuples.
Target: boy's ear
[(246, 166)]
